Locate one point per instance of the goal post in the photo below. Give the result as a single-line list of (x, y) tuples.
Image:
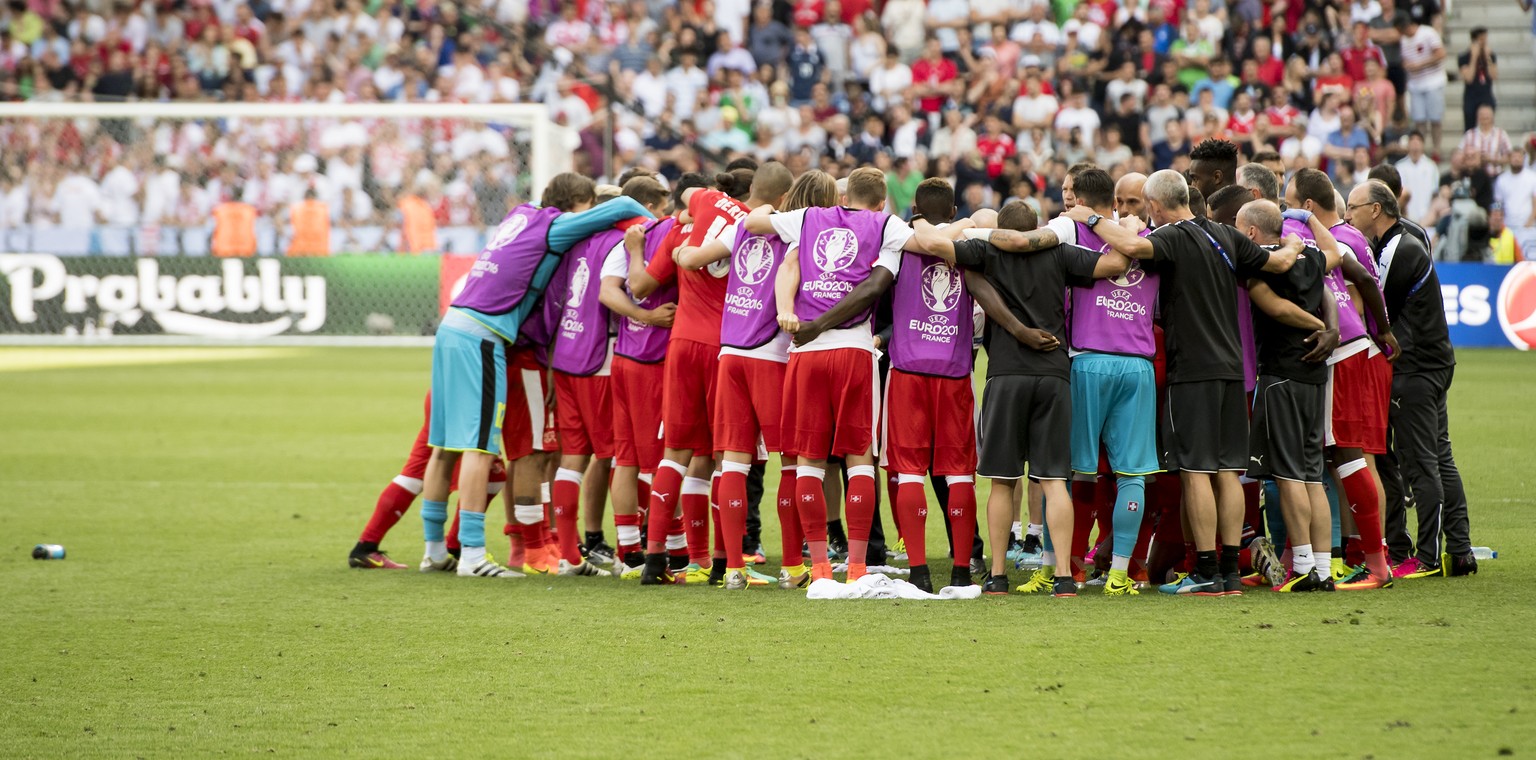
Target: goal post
[(254, 221)]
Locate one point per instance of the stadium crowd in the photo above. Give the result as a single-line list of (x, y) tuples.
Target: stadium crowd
[(999, 96)]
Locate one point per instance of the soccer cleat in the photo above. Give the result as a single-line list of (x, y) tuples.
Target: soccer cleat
[(1098, 580), (756, 556), (1324, 582), (1295, 584), (978, 567), (821, 570), (585, 568), (378, 560), (1363, 580), (898, 551), (1120, 587), (1194, 584), (1414, 568), (1040, 580), (960, 575), (694, 575), (1232, 584), (1466, 564), (1336, 568), (630, 566), (735, 580), (796, 576), (1265, 561), (1257, 579), (921, 579), (600, 553), (996, 585), (1063, 587), (487, 568), (445, 565)]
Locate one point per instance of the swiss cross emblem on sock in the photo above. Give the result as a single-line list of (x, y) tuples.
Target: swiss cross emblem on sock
[(922, 512), (855, 499), (735, 503), (806, 497)]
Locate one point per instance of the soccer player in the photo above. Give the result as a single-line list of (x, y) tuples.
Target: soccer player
[(753, 356), (1289, 416), (1206, 433), (825, 297), (693, 355), (644, 328), (469, 360), (929, 402), (581, 355), (1026, 412), (1114, 392), (1421, 378), (1361, 376)]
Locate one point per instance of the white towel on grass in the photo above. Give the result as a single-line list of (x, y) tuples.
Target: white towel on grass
[(877, 586)]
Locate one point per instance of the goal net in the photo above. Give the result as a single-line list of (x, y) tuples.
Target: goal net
[(254, 221)]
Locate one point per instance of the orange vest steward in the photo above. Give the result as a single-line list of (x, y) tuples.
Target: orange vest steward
[(418, 228), (234, 229), (311, 221)]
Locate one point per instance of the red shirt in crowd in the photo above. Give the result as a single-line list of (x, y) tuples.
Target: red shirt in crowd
[(996, 149), (1355, 58), (933, 73), (808, 13)]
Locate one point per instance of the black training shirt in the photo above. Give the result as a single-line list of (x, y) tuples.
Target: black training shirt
[(1281, 347), (1411, 290), (1198, 294), (1034, 286)]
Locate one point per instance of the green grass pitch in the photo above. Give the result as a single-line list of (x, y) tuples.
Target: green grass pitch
[(208, 499)]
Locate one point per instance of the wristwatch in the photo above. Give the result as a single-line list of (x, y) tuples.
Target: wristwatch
[(1093, 221)]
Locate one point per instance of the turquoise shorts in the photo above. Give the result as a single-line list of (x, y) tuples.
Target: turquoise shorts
[(1114, 402), (469, 390)]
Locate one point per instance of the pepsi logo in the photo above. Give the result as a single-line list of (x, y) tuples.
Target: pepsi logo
[(1517, 305)]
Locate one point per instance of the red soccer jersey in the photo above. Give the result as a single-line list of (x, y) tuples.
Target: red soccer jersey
[(700, 295), (933, 74)]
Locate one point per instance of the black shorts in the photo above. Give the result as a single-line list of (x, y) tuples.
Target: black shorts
[(1205, 427), (1026, 418), (1286, 442)]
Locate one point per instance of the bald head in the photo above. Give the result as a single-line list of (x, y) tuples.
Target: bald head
[(1129, 200), (1259, 180), (1261, 221)]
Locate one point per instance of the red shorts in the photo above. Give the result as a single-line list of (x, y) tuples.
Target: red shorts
[(636, 415), (416, 464), (1362, 386), (929, 425), (688, 401), (749, 403), (584, 413), (830, 403), (526, 427)]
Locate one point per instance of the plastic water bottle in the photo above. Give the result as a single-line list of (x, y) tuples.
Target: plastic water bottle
[(1484, 553), (47, 551)]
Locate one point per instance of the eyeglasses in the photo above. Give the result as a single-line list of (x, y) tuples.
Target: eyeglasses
[(1353, 206)]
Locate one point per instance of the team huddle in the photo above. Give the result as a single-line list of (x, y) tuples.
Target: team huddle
[(1158, 356)]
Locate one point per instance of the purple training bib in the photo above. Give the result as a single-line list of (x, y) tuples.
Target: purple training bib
[(581, 333), (838, 250), (931, 318), (639, 341), (749, 318)]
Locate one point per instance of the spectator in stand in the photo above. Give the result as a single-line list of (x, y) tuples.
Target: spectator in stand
[(1341, 145), (768, 39), (805, 66), (1424, 61), (934, 78), (1420, 178), (1165, 153), (1487, 140), (902, 21), (1515, 190), (1479, 68), (945, 18), (890, 82)]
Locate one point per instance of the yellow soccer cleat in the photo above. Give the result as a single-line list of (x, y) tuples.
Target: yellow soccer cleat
[(1043, 579)]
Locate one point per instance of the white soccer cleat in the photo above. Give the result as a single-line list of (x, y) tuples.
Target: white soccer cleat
[(735, 580), (488, 568), (444, 565), (585, 568)]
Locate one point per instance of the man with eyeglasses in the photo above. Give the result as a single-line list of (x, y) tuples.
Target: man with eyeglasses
[(1421, 378)]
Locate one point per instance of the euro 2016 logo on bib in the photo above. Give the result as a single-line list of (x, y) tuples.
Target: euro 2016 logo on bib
[(579, 280), (1132, 276), (941, 287), (835, 248), (754, 261), (1517, 305), (508, 231)]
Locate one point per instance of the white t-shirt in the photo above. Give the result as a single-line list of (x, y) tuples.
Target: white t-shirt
[(1065, 229), (1417, 50), (1421, 179), (988, 8), (1086, 119), (1037, 109), (893, 240), (1024, 32), (1514, 191), (948, 11), (118, 189)]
